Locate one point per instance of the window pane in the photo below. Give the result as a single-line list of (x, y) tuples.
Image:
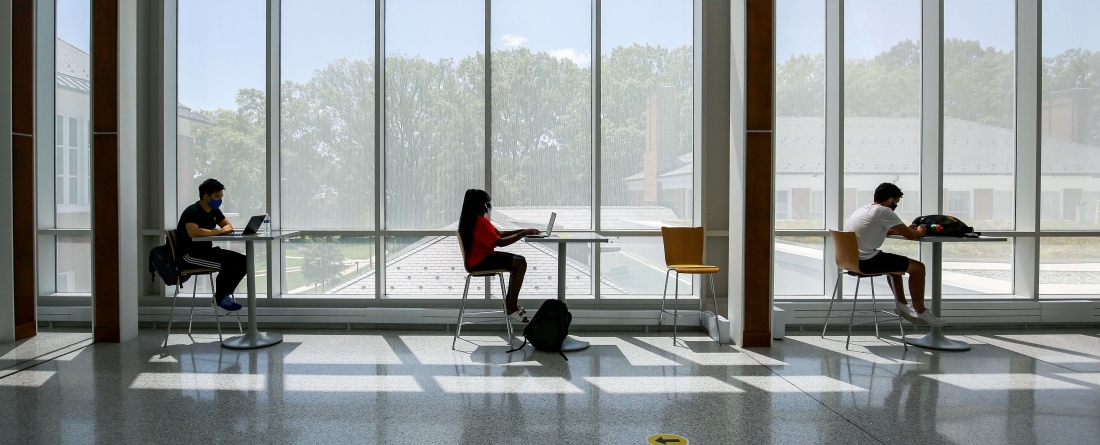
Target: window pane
[(979, 147), (329, 266), (222, 109), (634, 267), (73, 20), (1069, 266), (647, 162), (541, 106), (435, 110), (1071, 116), (327, 114), (974, 269), (800, 267), (427, 267), (74, 264), (800, 113), (882, 98)]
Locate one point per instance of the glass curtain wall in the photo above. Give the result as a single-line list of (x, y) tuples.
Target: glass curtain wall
[(71, 137), (434, 146), (327, 143), (979, 140), (434, 141), (800, 146), (221, 115), (646, 146), (1070, 194)]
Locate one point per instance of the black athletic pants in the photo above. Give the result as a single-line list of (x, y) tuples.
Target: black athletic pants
[(230, 265)]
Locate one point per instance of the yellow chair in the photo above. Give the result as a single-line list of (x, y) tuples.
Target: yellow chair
[(847, 259), (465, 292), (684, 255)]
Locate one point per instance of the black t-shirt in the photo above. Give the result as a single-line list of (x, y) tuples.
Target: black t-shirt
[(195, 214)]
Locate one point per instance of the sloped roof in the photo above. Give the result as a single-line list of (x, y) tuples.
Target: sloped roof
[(579, 217), (892, 146), (73, 70), (433, 266)]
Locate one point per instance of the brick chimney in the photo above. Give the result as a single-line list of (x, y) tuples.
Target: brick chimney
[(1066, 115)]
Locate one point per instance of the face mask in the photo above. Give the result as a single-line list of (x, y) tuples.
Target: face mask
[(215, 203), (489, 207), (894, 205)]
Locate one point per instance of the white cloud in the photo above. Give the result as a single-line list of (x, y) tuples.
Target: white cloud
[(512, 40), (581, 59)]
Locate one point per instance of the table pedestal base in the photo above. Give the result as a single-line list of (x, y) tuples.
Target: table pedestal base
[(936, 340), (571, 344), (252, 340)]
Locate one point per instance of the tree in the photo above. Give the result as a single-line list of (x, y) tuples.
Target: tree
[(322, 260)]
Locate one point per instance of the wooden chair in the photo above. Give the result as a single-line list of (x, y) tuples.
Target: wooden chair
[(465, 292), (847, 259), (684, 255)]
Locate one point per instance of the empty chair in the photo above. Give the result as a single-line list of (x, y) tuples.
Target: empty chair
[(847, 259), (684, 255)]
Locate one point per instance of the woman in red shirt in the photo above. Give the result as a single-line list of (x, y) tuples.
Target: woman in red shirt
[(480, 239)]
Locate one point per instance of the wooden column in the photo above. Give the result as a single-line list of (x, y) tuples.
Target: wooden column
[(24, 276), (752, 171), (105, 172)]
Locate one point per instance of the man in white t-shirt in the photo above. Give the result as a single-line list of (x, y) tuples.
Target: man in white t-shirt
[(872, 223)]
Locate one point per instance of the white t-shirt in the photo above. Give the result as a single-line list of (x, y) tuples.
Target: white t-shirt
[(870, 224)]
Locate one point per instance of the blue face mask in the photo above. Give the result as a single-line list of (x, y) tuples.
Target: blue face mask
[(215, 203), (489, 207)]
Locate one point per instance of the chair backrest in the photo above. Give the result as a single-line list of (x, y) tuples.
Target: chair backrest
[(170, 240), (847, 250), (462, 250), (683, 245)]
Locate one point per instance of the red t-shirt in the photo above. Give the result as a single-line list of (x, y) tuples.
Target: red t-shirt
[(485, 238)]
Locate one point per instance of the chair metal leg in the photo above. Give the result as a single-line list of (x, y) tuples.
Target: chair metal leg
[(461, 310), (171, 312), (852, 317), (714, 298), (675, 308), (664, 293), (507, 319), (218, 322), (831, 300), (874, 306), (901, 328), (194, 293)]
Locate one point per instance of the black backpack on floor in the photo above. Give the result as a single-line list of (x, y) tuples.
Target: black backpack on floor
[(945, 225), (547, 330)]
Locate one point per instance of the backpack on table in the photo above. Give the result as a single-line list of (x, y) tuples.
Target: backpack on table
[(945, 225)]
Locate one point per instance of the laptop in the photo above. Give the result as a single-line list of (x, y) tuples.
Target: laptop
[(253, 226), (549, 228)]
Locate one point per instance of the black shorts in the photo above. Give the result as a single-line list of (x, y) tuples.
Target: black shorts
[(495, 261), (884, 262)]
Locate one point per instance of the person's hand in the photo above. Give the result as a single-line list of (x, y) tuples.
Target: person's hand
[(530, 232), (922, 230), (226, 230)]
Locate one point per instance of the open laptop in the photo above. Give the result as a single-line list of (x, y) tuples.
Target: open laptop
[(549, 228), (253, 226)]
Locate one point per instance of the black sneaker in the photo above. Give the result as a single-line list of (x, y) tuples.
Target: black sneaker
[(228, 303)]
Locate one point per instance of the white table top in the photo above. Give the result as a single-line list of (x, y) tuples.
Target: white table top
[(573, 237), (275, 234), (953, 239)]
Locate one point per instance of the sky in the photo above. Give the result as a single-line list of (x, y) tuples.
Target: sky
[(221, 43)]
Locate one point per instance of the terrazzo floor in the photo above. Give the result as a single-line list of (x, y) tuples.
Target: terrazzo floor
[(409, 387)]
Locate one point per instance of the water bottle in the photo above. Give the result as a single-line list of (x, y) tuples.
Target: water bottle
[(267, 224)]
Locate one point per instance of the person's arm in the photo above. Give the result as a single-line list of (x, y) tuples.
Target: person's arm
[(226, 225), (513, 232), (909, 232), (514, 236), (194, 231)]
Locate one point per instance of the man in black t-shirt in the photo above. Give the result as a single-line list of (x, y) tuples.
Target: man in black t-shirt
[(204, 219)]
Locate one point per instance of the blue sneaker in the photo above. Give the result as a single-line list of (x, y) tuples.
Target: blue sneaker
[(229, 304)]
